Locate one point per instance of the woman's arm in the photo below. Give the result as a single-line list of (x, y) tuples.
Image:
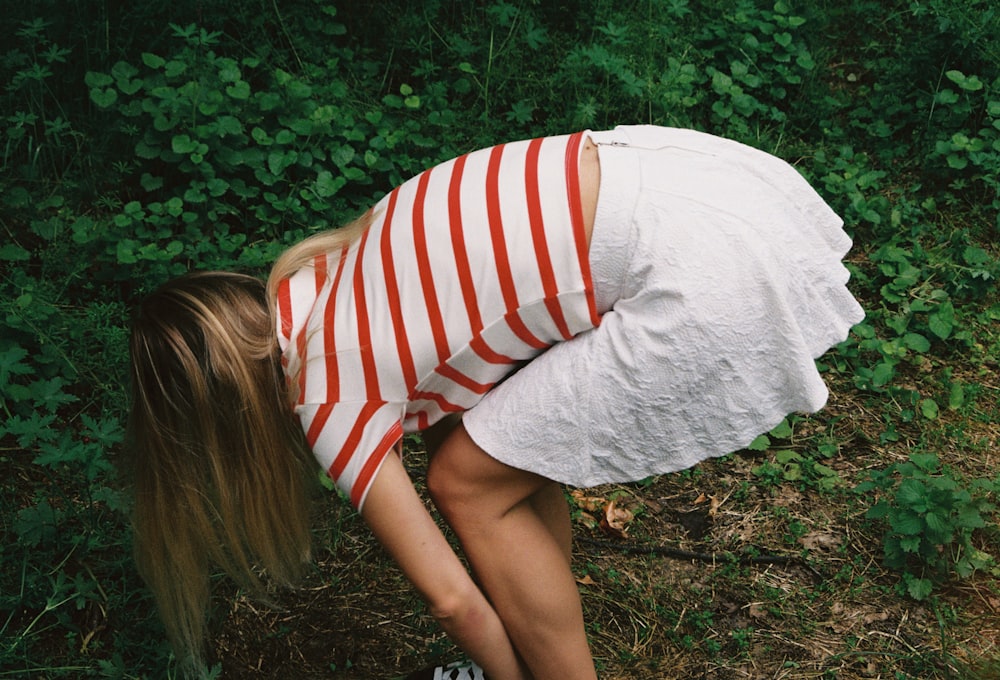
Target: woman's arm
[(400, 521)]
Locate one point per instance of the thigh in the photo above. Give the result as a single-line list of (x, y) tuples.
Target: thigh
[(470, 486)]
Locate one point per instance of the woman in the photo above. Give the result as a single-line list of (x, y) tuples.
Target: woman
[(579, 309)]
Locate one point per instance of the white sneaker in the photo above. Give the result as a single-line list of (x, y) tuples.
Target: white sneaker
[(460, 670)]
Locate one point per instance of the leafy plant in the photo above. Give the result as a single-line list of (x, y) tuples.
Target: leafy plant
[(931, 518)]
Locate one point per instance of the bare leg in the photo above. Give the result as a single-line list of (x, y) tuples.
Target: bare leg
[(514, 530), (550, 504), (399, 519)]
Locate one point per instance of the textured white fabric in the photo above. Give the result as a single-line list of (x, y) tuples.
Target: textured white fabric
[(720, 272)]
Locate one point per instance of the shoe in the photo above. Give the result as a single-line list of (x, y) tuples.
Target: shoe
[(460, 670)]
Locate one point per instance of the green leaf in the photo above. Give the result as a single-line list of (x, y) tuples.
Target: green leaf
[(883, 373), (782, 430), (103, 97), (150, 183), (98, 80), (928, 462), (968, 83), (919, 588), (239, 90), (153, 60), (912, 494), (942, 321), (786, 456), (11, 252), (929, 408), (183, 144), (916, 342), (956, 395), (907, 523), (125, 251), (760, 443)]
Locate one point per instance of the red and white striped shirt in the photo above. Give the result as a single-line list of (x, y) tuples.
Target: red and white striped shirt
[(468, 270)]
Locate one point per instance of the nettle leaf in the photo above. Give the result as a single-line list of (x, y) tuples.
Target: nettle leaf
[(917, 342), (919, 588), (912, 494), (969, 517), (928, 462), (907, 523), (760, 443)]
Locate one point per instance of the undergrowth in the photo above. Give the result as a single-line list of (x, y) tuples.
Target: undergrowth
[(206, 135)]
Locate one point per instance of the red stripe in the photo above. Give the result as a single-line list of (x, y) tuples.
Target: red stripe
[(319, 271), (576, 216), (371, 465), (516, 324), (364, 329), (438, 399), (285, 307), (460, 378), (507, 288), (393, 298), (329, 337), (350, 446), (488, 354), (542, 255), (318, 423), (462, 266), (424, 269)]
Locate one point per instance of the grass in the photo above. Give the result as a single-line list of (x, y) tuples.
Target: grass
[(827, 608)]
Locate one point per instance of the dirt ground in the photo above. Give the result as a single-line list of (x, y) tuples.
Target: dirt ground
[(717, 575)]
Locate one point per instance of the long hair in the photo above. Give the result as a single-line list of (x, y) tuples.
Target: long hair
[(219, 464), (304, 253)]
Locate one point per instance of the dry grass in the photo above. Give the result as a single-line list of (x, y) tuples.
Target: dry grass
[(826, 609)]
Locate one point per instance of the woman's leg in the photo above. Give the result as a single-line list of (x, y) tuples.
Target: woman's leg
[(400, 520), (515, 532), (549, 501)]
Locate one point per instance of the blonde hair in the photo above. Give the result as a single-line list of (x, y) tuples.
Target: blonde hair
[(221, 471), (304, 253)]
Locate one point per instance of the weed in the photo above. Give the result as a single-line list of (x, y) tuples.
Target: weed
[(931, 518)]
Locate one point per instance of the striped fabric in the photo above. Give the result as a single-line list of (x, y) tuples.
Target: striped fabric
[(468, 270)]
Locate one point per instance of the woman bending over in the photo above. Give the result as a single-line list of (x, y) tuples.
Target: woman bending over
[(581, 309)]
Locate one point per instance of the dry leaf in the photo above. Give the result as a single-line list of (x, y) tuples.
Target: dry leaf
[(714, 506), (586, 581), (615, 519), (587, 520), (820, 540), (588, 503)]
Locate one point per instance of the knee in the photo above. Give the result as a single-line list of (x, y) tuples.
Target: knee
[(446, 488), (453, 607)]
